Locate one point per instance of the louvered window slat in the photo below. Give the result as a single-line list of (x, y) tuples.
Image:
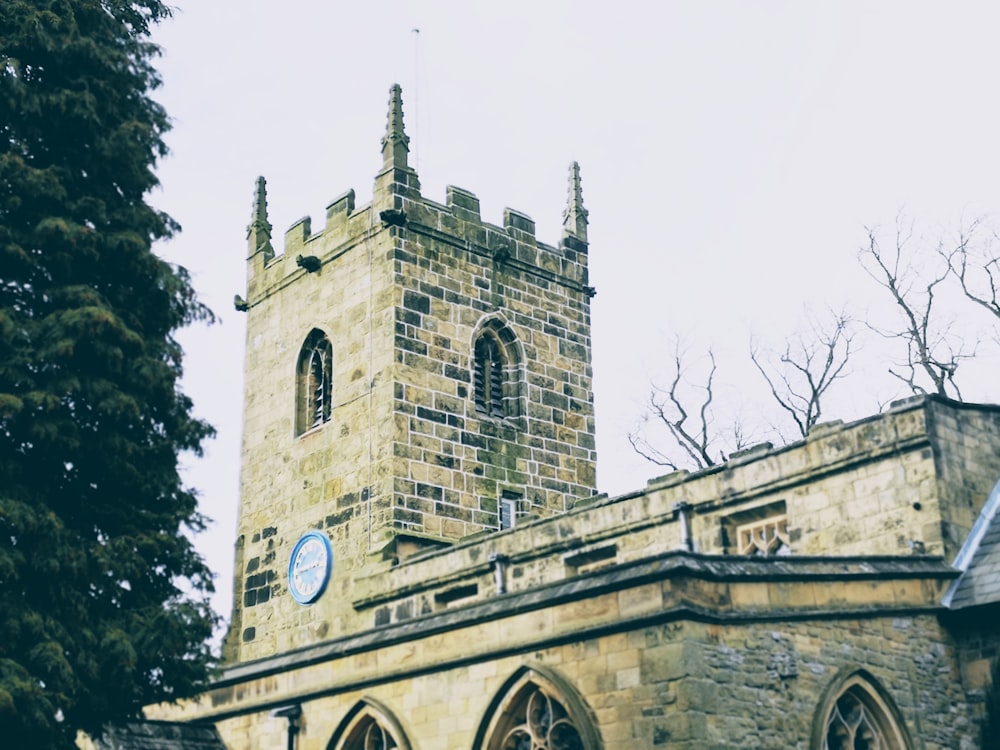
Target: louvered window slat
[(317, 391), (496, 384), (488, 377), (479, 377)]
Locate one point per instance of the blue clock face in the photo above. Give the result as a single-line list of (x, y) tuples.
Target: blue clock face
[(309, 567)]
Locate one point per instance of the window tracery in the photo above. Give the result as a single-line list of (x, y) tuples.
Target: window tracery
[(851, 728), (859, 715), (540, 723), (371, 736), (537, 710)]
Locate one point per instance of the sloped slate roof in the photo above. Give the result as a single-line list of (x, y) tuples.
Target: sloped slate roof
[(979, 559), (161, 735)]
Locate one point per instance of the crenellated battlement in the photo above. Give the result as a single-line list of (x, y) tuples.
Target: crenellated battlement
[(510, 247)]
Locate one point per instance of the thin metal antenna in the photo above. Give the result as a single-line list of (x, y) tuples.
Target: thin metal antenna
[(416, 98)]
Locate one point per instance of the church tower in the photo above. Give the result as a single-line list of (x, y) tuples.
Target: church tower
[(414, 376)]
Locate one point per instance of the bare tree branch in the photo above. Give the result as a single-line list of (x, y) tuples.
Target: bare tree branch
[(811, 362), (933, 350), (977, 267), (691, 441)]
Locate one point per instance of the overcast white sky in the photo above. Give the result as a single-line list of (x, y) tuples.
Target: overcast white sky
[(731, 154)]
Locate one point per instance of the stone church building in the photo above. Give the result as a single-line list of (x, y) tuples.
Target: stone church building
[(423, 561)]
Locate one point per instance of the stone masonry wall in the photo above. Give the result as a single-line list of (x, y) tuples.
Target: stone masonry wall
[(453, 463), (672, 683), (330, 476), (866, 488), (758, 685), (963, 472), (888, 484), (978, 647), (863, 489)]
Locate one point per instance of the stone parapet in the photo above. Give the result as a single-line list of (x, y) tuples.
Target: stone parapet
[(684, 641)]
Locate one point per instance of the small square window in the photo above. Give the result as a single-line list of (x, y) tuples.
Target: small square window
[(765, 538), (508, 509), (760, 531)]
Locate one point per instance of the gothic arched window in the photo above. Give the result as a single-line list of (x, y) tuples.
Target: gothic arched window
[(537, 711), (859, 716), (495, 371), (539, 721), (314, 383), (369, 726)]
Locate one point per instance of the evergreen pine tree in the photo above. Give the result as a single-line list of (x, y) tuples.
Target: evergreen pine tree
[(103, 599)]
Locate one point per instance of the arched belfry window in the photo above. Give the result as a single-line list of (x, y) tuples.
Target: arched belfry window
[(496, 371), (857, 714), (537, 710), (314, 383), (369, 726)]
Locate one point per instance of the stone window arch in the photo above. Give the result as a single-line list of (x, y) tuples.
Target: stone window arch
[(857, 714), (496, 371), (313, 382), (369, 726), (537, 710)]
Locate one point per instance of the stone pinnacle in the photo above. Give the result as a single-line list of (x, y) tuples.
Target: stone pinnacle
[(575, 215)]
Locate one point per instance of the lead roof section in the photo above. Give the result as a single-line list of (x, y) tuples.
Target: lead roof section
[(979, 561)]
